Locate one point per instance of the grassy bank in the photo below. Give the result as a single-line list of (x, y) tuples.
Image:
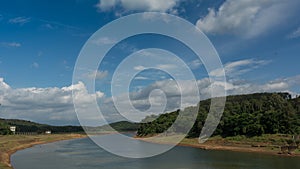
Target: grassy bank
[(269, 144), (12, 143)]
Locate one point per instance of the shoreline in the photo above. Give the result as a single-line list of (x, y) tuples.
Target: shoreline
[(30, 141), (238, 149), (5, 157), (215, 144), (212, 145)]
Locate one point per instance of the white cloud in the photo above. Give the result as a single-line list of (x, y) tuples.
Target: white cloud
[(140, 5), (19, 20), (105, 5), (248, 18), (47, 105), (99, 94), (295, 34), (195, 64), (166, 66), (144, 99), (139, 68), (3, 85), (35, 65), (104, 41), (98, 74), (10, 44), (55, 105), (49, 26), (159, 66), (238, 67), (271, 86), (141, 78)]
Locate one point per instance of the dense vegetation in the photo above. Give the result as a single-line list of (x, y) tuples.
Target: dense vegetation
[(4, 129), (31, 127), (122, 126), (249, 115), (24, 126)]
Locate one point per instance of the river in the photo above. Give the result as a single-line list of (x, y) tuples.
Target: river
[(84, 154)]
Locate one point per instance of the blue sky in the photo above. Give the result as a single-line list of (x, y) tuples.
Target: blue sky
[(258, 43)]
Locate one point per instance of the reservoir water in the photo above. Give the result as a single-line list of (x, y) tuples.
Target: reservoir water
[(84, 154)]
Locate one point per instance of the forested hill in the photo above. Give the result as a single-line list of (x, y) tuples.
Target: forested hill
[(24, 126), (249, 115)]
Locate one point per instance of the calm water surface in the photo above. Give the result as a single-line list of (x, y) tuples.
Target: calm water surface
[(84, 154)]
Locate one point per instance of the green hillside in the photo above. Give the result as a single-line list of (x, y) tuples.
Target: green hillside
[(121, 126), (125, 126), (249, 115), (28, 126), (24, 126)]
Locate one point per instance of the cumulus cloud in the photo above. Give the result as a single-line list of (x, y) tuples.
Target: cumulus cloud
[(46, 105), (105, 5), (156, 98), (248, 18), (143, 99), (140, 5), (55, 105), (3, 85)]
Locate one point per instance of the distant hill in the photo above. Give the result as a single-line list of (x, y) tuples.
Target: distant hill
[(249, 115), (121, 126), (28, 126)]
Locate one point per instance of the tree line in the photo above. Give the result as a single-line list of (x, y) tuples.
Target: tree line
[(23, 126), (249, 115)]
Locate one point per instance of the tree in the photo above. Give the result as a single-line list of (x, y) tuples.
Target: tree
[(249, 115)]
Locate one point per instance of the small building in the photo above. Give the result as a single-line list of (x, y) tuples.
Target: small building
[(48, 132), (13, 129)]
